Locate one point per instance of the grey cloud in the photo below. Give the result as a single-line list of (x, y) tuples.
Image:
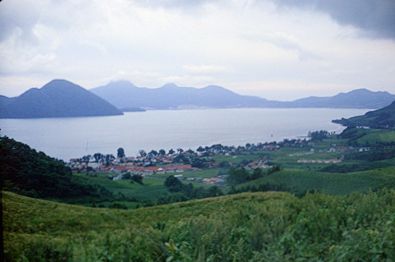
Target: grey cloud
[(174, 3), (285, 43), (15, 16), (375, 17)]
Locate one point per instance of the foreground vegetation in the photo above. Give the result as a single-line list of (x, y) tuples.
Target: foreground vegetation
[(249, 226)]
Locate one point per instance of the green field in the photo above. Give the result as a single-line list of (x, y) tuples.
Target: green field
[(376, 136), (247, 226), (299, 181)]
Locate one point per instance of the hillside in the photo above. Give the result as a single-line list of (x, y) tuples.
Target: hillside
[(242, 227), (28, 172), (383, 118), (170, 96), (58, 98)]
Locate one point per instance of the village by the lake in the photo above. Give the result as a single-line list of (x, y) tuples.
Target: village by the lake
[(187, 164)]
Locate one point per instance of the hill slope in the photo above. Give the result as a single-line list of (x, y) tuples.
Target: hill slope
[(242, 227), (58, 98), (381, 118), (26, 171)]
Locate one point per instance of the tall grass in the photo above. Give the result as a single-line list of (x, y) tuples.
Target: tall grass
[(242, 227)]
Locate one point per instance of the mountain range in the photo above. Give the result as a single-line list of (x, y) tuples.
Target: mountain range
[(170, 96), (61, 98), (58, 98)]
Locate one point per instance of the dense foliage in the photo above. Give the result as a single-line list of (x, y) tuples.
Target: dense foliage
[(241, 175), (187, 191), (318, 135), (26, 171), (242, 227), (381, 118)]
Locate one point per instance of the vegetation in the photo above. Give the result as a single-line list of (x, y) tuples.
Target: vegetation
[(26, 171), (309, 223), (318, 135), (241, 175), (381, 118), (188, 191), (241, 227)]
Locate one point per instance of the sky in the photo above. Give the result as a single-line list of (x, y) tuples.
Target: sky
[(276, 49)]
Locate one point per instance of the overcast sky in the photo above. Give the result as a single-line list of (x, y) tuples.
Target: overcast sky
[(277, 49)]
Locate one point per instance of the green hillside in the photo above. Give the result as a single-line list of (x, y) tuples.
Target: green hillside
[(381, 118), (28, 172), (249, 226)]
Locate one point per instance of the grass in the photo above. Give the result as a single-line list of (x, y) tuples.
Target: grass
[(300, 181), (376, 136), (151, 190), (249, 226)]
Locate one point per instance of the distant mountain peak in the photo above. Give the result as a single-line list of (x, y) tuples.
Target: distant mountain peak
[(121, 82), (216, 87), (365, 91), (58, 82), (57, 98), (169, 85)]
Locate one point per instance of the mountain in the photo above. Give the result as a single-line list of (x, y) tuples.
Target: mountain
[(358, 98), (381, 118), (58, 98), (124, 94)]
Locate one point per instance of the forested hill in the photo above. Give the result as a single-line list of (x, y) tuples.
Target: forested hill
[(28, 172), (381, 118)]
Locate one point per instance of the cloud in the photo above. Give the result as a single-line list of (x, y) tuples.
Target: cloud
[(193, 43), (204, 69), (375, 17), (286, 42)]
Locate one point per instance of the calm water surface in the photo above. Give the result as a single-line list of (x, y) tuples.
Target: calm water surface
[(66, 138)]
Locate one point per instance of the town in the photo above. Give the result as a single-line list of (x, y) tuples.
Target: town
[(176, 162)]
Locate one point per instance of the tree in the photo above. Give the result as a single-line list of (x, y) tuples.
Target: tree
[(86, 158), (238, 176), (215, 191), (200, 149), (142, 153), (153, 153), (171, 151), (162, 152), (127, 176), (318, 135), (97, 157), (173, 184), (108, 159), (137, 178), (120, 153)]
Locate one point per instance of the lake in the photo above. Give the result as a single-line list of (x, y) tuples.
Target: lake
[(67, 138)]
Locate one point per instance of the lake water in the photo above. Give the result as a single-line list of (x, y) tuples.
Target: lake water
[(67, 138)]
